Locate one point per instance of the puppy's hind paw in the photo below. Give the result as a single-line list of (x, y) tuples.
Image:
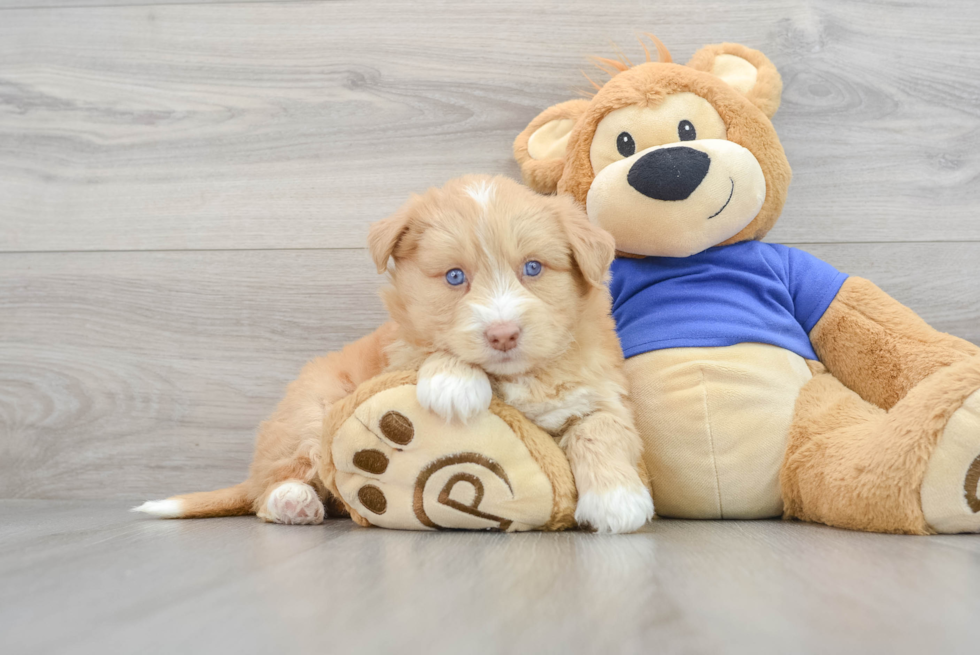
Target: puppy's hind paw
[(293, 503), (619, 510)]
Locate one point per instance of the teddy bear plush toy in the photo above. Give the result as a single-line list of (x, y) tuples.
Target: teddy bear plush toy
[(765, 383)]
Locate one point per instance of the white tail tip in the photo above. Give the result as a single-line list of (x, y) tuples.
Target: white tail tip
[(164, 509)]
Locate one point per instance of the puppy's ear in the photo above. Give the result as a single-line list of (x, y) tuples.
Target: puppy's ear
[(384, 235), (746, 70), (540, 148), (592, 247)]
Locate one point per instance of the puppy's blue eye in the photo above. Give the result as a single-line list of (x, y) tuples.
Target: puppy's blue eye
[(456, 277), (532, 268)]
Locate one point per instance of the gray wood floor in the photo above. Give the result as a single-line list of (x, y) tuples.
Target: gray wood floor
[(102, 581), (185, 188)]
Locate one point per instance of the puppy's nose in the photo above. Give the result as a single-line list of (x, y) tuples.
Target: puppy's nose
[(669, 173), (503, 336)]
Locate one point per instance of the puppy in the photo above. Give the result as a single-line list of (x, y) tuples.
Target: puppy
[(493, 289)]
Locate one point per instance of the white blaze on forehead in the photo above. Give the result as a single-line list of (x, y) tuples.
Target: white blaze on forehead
[(504, 300), (481, 192)]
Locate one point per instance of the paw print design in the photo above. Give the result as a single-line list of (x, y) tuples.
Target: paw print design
[(401, 466)]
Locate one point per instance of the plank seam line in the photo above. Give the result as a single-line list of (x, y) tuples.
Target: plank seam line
[(359, 248), (150, 5), (167, 250)]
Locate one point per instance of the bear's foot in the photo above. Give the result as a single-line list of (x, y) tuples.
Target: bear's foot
[(950, 501), (401, 466), (911, 469)]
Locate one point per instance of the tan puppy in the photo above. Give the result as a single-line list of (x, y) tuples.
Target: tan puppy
[(493, 289)]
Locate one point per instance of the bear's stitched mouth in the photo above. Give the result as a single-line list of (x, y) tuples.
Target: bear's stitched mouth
[(730, 194)]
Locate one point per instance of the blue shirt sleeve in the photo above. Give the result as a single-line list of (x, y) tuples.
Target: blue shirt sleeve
[(813, 284)]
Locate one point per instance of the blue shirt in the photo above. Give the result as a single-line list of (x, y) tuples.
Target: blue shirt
[(746, 292)]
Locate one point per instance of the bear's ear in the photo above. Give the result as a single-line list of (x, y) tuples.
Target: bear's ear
[(746, 70), (540, 148)]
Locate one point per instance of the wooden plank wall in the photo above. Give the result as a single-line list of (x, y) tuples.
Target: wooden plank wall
[(185, 187)]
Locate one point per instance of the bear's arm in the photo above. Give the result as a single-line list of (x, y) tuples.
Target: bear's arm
[(879, 347)]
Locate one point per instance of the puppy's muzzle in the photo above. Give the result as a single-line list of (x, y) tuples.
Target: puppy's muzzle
[(669, 173)]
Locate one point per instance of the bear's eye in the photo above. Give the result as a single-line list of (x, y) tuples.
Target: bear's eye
[(686, 131), (625, 144)]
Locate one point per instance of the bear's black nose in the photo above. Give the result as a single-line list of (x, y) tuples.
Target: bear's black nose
[(669, 173)]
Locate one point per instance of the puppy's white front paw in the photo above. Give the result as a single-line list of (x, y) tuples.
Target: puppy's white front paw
[(623, 509), (460, 394)]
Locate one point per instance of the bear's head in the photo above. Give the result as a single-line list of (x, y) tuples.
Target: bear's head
[(670, 159)]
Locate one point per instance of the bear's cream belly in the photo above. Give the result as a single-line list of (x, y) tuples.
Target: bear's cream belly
[(714, 423)]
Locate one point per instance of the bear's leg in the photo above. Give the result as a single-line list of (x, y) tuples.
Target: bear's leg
[(911, 469)]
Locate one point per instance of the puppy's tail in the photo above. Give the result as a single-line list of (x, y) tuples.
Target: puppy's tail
[(232, 501)]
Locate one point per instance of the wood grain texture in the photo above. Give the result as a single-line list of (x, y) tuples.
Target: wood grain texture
[(84, 577), (151, 371), (74, 4), (145, 374), (296, 124)]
